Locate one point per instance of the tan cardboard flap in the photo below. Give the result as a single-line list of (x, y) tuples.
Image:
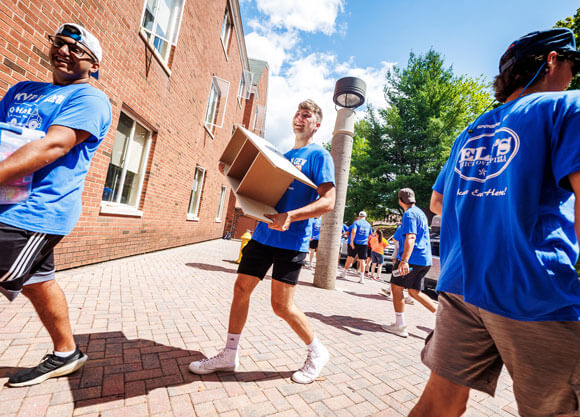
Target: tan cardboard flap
[(264, 183), (255, 209)]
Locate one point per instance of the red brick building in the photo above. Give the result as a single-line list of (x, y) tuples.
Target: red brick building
[(178, 78)]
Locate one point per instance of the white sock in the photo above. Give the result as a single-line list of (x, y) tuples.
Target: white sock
[(63, 354), (399, 319), (315, 346), (233, 341)]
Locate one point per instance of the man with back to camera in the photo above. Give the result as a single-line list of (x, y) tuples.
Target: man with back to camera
[(509, 292), (358, 245), (283, 244), (76, 117), (413, 261)]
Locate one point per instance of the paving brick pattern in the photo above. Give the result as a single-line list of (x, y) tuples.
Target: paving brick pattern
[(143, 319)]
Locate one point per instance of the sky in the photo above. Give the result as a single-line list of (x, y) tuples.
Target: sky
[(310, 44)]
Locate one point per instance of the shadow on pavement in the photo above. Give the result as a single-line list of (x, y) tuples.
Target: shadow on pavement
[(210, 267), (121, 368), (370, 296), (347, 323)]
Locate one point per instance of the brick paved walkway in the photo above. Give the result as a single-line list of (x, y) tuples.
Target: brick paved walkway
[(143, 319)]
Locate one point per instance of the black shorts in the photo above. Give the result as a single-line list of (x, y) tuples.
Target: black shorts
[(360, 250), (414, 279), (258, 258), (26, 257), (314, 244)]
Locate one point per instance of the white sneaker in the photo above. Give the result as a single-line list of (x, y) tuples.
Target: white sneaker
[(226, 360), (398, 330), (361, 279), (409, 300), (386, 291), (312, 367)]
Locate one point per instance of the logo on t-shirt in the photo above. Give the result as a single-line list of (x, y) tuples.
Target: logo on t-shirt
[(486, 156), (299, 163)]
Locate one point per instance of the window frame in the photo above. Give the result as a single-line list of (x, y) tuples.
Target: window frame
[(124, 209), (149, 36), (216, 91), (221, 204), (227, 30), (195, 214)]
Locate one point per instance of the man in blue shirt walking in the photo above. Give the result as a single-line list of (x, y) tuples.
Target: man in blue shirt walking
[(413, 261), (284, 245), (509, 197), (358, 245), (75, 117)]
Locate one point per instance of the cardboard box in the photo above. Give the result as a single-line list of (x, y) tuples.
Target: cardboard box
[(258, 173)]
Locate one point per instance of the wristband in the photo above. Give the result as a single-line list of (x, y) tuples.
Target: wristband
[(407, 262)]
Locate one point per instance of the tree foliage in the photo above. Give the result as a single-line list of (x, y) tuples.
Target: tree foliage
[(407, 143), (573, 23)]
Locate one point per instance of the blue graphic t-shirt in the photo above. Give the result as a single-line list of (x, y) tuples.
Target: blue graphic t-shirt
[(54, 205), (315, 228), (414, 221), (316, 163), (362, 232), (507, 235)]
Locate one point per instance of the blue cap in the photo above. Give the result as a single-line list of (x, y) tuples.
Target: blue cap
[(538, 43)]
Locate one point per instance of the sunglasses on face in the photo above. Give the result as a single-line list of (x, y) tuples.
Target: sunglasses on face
[(73, 47), (575, 62)]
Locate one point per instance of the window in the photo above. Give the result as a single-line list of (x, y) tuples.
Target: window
[(259, 120), (195, 198), (218, 218), (227, 26), (216, 104), (245, 85), (128, 161), (160, 25)]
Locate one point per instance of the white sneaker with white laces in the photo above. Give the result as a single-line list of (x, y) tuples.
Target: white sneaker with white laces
[(312, 366), (398, 330), (409, 300), (226, 360)]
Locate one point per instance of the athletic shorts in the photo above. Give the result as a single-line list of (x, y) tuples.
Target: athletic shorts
[(470, 345), (414, 279), (26, 258), (369, 251), (377, 258), (258, 258), (314, 244), (360, 250)]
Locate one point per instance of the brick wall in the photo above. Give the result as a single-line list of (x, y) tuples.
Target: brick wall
[(173, 105)]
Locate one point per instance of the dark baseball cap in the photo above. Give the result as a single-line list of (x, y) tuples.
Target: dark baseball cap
[(407, 195), (538, 43)]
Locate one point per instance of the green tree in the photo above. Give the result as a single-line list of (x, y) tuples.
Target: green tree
[(573, 23), (407, 143)]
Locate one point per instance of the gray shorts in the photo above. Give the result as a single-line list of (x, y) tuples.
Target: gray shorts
[(469, 346)]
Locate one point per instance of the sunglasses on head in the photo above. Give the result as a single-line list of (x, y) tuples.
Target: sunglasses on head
[(73, 47)]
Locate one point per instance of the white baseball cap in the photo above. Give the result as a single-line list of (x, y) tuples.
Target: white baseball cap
[(84, 37), (362, 214)]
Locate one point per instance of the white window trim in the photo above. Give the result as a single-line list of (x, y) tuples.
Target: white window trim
[(215, 81), (109, 207), (195, 215), (114, 207), (231, 31), (149, 41), (221, 204), (246, 80)]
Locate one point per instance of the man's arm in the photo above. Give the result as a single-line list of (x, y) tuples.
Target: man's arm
[(327, 194), (436, 205), (352, 235), (57, 142), (575, 183), (407, 251)]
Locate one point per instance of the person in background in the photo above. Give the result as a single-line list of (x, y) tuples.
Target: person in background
[(315, 236), (358, 243), (378, 245)]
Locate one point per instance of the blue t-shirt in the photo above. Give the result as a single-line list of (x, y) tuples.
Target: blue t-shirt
[(399, 238), (362, 232), (507, 235), (54, 205), (414, 221), (316, 163), (315, 228)]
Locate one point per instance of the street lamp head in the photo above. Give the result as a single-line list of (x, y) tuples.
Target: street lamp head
[(349, 92)]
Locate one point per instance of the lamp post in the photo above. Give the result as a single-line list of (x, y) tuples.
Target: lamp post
[(349, 93)]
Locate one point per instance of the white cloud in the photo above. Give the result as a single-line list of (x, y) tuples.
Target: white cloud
[(295, 77), (305, 15)]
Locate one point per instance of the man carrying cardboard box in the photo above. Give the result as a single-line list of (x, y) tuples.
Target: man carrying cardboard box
[(76, 117), (284, 244)]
